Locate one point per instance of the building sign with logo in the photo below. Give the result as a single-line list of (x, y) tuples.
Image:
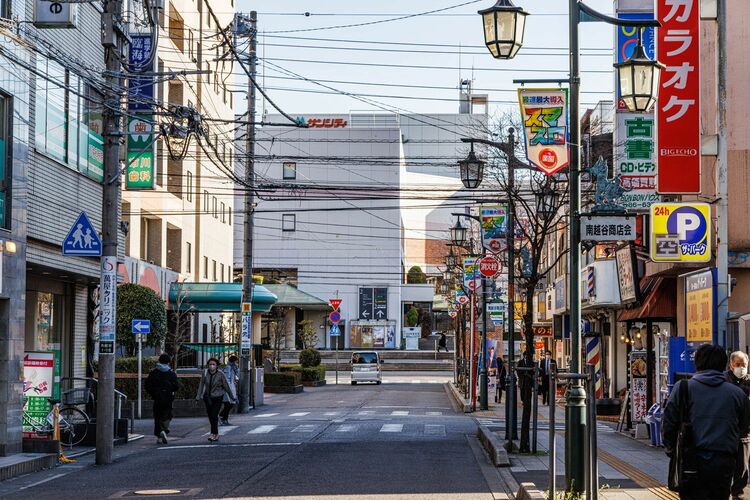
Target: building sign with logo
[(699, 306), (38, 387), (678, 106), (626, 274), (471, 277), (561, 296), (50, 14), (608, 228), (324, 122), (545, 125), (140, 144), (680, 232), (494, 227), (635, 159)]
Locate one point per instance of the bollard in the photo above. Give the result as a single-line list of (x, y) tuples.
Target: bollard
[(552, 406), (535, 410)]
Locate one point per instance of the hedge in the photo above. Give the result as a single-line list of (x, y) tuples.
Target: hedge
[(129, 364), (188, 387), (308, 374), (279, 379), (309, 358)]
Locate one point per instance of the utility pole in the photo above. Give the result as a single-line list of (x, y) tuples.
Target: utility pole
[(112, 37), (511, 411), (722, 192), (247, 253)]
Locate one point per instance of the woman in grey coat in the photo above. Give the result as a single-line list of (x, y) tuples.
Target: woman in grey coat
[(212, 388)]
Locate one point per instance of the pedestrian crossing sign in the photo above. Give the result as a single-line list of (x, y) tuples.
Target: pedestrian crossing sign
[(82, 239), (334, 331)]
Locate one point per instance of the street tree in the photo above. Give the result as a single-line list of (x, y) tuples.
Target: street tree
[(415, 276), (180, 319), (307, 335), (139, 302), (277, 330)]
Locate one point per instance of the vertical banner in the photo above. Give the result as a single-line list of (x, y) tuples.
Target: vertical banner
[(471, 278), (108, 304), (140, 168), (545, 127), (699, 307), (494, 227), (635, 159), (638, 385), (678, 113)]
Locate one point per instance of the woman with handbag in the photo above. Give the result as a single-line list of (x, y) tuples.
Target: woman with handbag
[(213, 386)]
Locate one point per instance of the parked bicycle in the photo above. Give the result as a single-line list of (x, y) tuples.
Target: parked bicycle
[(72, 421)]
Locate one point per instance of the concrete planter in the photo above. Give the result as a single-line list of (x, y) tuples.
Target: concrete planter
[(313, 383)]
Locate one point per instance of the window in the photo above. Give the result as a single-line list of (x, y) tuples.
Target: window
[(188, 257), (230, 215), (205, 201), (5, 160), (223, 212), (213, 274), (176, 29), (189, 186), (51, 110), (289, 170), (288, 222), (215, 204), (221, 267), (205, 267)]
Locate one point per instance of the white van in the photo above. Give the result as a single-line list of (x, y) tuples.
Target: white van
[(366, 367)]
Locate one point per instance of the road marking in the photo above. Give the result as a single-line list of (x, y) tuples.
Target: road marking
[(305, 428), (263, 429), (434, 430), (347, 428), (224, 430), (264, 415), (231, 445), (299, 414), (392, 428), (416, 381), (56, 476), (433, 413), (366, 412), (399, 413), (331, 413)]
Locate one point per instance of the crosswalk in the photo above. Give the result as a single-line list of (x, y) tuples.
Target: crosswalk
[(430, 430), (329, 415), (542, 425)]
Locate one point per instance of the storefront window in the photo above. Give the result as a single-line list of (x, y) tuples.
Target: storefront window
[(47, 331), (372, 334)]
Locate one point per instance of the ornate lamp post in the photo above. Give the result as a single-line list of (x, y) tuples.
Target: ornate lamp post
[(504, 25), (471, 170)]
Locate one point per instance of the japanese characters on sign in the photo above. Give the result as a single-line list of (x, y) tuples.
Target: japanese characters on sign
[(545, 125), (325, 122), (494, 227), (38, 387), (107, 305), (678, 107), (699, 306), (140, 167), (638, 384), (607, 228), (626, 274), (635, 160), (471, 277), (680, 232)]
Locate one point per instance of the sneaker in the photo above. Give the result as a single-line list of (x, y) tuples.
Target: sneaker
[(224, 422), (163, 437)]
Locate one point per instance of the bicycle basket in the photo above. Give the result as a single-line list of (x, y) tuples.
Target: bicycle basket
[(77, 396)]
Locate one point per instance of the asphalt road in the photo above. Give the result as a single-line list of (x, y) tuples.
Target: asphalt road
[(396, 440)]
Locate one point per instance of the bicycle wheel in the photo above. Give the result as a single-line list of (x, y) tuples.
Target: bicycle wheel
[(74, 425)]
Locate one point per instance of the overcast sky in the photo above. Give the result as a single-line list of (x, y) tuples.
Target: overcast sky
[(544, 54)]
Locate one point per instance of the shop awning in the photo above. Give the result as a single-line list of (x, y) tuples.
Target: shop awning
[(660, 301), (217, 297), (211, 348), (289, 296)]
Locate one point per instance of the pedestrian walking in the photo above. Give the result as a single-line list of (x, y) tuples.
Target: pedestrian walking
[(737, 375), (500, 377), (161, 385), (211, 391), (548, 366), (443, 342), (232, 373), (718, 413)]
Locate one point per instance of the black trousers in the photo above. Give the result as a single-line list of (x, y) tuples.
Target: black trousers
[(162, 416), (225, 409), (741, 472), (544, 389), (213, 407), (714, 478)]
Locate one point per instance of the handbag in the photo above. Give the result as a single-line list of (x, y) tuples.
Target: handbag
[(683, 466)]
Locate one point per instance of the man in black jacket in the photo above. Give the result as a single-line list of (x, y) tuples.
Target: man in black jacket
[(737, 375), (161, 385), (546, 367), (719, 413)]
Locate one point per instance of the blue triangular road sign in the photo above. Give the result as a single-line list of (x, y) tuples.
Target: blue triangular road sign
[(334, 331), (82, 239)]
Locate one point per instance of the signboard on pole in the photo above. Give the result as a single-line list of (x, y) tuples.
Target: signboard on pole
[(108, 303), (489, 266), (82, 239), (334, 331), (50, 14), (247, 330), (680, 232), (626, 274), (494, 227), (140, 144), (700, 302), (334, 317), (380, 303), (335, 303), (365, 303), (635, 159), (38, 384), (471, 277), (678, 106), (608, 228), (545, 126)]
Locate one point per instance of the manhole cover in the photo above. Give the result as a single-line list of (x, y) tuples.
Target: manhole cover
[(157, 492)]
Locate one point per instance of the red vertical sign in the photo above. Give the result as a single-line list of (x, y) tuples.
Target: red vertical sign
[(679, 120)]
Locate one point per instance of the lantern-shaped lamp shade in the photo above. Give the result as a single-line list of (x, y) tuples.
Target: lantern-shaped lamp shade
[(444, 288), (447, 275), (546, 202), (450, 260), (504, 25), (471, 170), (639, 80), (458, 234)]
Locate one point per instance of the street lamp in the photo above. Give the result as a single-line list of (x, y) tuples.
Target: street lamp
[(471, 170), (458, 234), (444, 288), (450, 260), (546, 202), (447, 275), (503, 29), (639, 80)]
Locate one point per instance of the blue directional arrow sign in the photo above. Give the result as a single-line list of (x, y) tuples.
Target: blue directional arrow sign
[(334, 331), (82, 239), (141, 326)]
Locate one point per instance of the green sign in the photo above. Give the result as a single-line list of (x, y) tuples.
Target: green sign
[(140, 171)]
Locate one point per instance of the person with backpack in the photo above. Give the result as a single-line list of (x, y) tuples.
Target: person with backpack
[(213, 386), (161, 385), (708, 415)]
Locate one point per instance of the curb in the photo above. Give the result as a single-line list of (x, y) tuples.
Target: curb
[(462, 403), (27, 463), (494, 447), (528, 491)]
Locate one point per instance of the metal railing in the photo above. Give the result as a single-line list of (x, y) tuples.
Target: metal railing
[(120, 397)]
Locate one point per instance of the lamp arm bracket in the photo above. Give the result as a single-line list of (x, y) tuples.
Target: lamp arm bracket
[(474, 217), (637, 23)]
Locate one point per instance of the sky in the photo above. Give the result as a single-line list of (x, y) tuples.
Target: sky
[(426, 78)]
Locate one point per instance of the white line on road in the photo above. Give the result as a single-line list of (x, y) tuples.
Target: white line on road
[(399, 413), (331, 413), (263, 429), (223, 430), (264, 415), (433, 413), (56, 476), (305, 428), (392, 428), (299, 414), (434, 430), (347, 428), (365, 412), (235, 445)]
